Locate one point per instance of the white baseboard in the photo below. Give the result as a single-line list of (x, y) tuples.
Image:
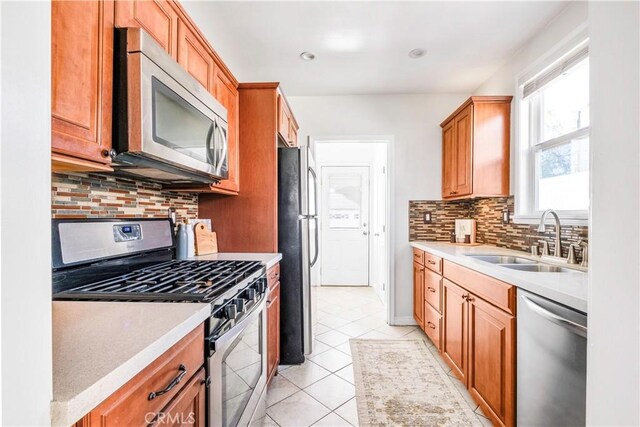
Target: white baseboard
[(404, 321)]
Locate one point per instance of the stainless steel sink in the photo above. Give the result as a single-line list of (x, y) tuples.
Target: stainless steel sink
[(538, 268), (502, 259)]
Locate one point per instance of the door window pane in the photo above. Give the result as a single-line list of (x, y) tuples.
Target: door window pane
[(180, 126), (345, 201), (565, 103), (563, 176)]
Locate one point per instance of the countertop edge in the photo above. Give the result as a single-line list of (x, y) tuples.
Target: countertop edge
[(572, 301), (65, 413)]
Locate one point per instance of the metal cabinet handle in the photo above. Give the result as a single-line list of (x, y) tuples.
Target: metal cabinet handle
[(183, 371), (431, 325), (431, 262), (552, 317), (431, 289)]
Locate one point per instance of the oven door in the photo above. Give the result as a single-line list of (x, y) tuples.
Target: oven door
[(238, 370), (184, 128)]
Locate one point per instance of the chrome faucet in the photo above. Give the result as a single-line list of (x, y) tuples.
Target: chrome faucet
[(557, 251)]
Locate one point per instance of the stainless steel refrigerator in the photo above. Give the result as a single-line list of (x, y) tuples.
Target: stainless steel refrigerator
[(298, 243)]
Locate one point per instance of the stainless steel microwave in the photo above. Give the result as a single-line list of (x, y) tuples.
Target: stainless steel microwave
[(167, 127)]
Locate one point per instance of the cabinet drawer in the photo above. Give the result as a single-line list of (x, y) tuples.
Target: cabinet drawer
[(432, 322), (433, 262), (130, 404), (433, 289), (418, 256), (491, 290), (273, 275)]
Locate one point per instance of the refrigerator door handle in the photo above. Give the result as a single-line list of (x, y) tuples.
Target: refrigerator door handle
[(317, 248)]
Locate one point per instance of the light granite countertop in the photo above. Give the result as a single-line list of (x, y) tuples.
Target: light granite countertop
[(569, 289), (99, 346), (269, 259)]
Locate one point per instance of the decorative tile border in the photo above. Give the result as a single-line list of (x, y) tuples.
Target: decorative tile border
[(490, 229), (106, 196)]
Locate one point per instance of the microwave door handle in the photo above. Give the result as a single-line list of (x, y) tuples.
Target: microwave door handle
[(223, 142), (209, 152)]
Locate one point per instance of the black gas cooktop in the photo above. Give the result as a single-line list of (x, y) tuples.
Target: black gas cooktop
[(147, 279)]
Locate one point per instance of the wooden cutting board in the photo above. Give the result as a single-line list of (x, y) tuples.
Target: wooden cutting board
[(206, 241)]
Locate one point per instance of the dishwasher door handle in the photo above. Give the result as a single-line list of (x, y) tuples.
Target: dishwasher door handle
[(552, 317)]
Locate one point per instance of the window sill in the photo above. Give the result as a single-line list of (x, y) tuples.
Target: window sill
[(564, 220)]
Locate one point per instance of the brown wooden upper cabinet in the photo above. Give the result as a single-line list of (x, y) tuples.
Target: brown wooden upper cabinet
[(475, 148), (159, 18), (287, 124), (81, 85)]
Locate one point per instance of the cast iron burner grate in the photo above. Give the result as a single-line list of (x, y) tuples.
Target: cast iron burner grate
[(198, 281)]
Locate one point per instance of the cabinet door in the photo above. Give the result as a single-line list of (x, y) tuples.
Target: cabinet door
[(227, 94), (491, 379), (195, 57), (156, 17), (273, 331), (418, 294), (454, 328), (293, 134), (188, 407), (82, 78), (448, 160), (284, 127), (462, 160)]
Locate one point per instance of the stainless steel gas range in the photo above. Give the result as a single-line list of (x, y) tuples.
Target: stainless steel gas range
[(132, 260)]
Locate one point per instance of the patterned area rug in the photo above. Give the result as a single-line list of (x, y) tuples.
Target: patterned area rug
[(399, 383)]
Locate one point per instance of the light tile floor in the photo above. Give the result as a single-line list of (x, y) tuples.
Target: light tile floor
[(321, 391)]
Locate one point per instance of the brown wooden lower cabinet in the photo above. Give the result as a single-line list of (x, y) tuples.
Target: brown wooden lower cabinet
[(470, 317), (273, 322), (454, 329), (478, 342), (492, 353), (273, 331), (418, 293), (188, 407), (132, 404)]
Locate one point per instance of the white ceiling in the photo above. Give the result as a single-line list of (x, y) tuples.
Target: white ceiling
[(362, 47)]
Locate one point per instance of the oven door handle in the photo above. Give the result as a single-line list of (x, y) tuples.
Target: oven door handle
[(217, 342)]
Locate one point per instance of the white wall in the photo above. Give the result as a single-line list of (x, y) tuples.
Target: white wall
[(415, 158), (613, 357), (25, 219), (541, 48)]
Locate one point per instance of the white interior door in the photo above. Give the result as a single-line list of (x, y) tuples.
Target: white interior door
[(345, 226)]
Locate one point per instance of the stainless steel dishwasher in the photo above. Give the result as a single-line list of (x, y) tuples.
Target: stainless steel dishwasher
[(552, 363)]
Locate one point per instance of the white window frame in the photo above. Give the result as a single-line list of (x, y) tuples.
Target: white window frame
[(525, 170)]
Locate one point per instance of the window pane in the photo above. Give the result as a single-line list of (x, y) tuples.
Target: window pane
[(345, 200), (563, 176), (565, 102)]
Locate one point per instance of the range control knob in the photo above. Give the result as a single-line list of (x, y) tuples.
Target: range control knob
[(239, 302), (230, 311), (261, 286), (250, 294)]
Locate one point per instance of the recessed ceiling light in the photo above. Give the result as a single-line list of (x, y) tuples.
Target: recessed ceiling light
[(417, 53), (307, 56)]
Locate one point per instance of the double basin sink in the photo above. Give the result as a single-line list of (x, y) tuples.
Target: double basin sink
[(521, 264)]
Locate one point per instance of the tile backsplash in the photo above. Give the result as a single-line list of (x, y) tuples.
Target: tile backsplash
[(107, 196), (490, 229)]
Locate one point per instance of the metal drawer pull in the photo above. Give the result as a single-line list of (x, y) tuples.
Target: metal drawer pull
[(172, 384), (431, 289), (431, 325), (431, 262)]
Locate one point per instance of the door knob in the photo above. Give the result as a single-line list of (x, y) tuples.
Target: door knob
[(365, 233)]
